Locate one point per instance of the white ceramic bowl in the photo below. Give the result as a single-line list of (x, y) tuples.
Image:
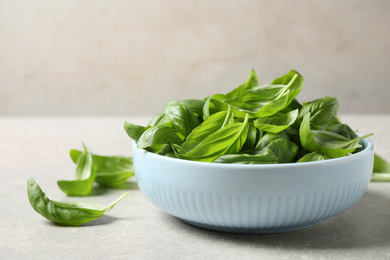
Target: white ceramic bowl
[(263, 198)]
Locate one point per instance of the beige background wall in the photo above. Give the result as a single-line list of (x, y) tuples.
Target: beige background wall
[(131, 57)]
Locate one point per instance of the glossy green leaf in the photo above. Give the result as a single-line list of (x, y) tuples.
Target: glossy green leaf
[(380, 165), (252, 136), (206, 109), (341, 129), (284, 150), (160, 119), (270, 137), (265, 158), (134, 131), (227, 140), (157, 136), (265, 100), (65, 213), (293, 105), (314, 156), (326, 142), (217, 104), (85, 176), (252, 82), (276, 124), (214, 105), (322, 111), (380, 177), (111, 171), (194, 105), (182, 118), (208, 127)]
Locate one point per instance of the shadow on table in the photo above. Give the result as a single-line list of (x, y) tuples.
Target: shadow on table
[(98, 190), (103, 220), (365, 225)]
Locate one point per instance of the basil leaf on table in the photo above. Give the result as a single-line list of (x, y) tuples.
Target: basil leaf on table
[(157, 136), (381, 170), (276, 124), (380, 164), (182, 118), (85, 176), (314, 156), (134, 131), (65, 213), (112, 171), (227, 140), (326, 142)]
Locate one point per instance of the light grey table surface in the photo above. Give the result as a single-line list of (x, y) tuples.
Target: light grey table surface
[(135, 229)]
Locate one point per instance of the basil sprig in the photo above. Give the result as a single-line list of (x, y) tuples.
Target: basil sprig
[(85, 176), (65, 213), (112, 171)]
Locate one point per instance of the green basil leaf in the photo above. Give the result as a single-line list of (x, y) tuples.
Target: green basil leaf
[(276, 124), (194, 105), (266, 100), (266, 158), (284, 150), (380, 177), (252, 82), (65, 213), (208, 127), (85, 176), (270, 137), (134, 131), (342, 129), (326, 142), (112, 171), (314, 156), (158, 136), (216, 104), (227, 140), (251, 137), (160, 119), (182, 118), (322, 111), (170, 154), (207, 109), (292, 106), (380, 165)]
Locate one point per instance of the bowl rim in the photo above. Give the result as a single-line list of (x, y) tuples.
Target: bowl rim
[(368, 147)]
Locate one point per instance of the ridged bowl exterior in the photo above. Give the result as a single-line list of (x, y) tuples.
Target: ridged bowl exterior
[(253, 198)]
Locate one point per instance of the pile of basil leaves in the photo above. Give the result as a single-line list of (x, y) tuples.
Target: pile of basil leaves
[(252, 124)]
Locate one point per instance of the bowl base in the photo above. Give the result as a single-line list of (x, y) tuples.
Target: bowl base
[(251, 230)]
